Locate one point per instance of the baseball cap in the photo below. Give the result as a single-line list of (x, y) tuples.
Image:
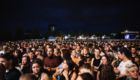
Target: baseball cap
[(38, 50), (125, 51)]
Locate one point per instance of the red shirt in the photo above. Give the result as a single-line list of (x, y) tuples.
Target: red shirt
[(52, 63)]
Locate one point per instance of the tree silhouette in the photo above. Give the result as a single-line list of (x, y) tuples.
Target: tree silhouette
[(35, 34), (80, 32), (47, 34), (19, 35), (98, 33), (60, 34), (71, 33), (119, 35), (89, 33), (106, 33)]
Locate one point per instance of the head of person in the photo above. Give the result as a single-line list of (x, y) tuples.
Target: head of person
[(137, 59), (31, 54), (2, 71), (73, 52), (105, 60), (50, 52), (81, 57), (87, 60), (38, 52), (78, 48), (85, 76), (56, 52), (25, 60), (132, 70), (133, 50), (97, 51), (123, 53), (65, 54), (36, 66), (33, 49), (5, 49), (70, 65), (85, 68), (7, 60), (74, 46), (28, 77), (18, 55), (86, 50)]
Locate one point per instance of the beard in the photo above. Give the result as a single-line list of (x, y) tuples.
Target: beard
[(51, 56)]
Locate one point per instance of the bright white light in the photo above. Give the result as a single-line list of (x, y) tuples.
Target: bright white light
[(80, 37), (91, 36), (126, 30), (66, 37)]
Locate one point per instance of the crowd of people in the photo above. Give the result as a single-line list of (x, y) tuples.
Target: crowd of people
[(70, 60)]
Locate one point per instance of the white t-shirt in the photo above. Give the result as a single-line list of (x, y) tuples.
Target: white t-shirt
[(122, 67)]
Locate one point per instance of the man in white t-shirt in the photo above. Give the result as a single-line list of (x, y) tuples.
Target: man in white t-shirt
[(124, 54)]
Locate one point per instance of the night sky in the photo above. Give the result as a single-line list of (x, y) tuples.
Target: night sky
[(85, 15)]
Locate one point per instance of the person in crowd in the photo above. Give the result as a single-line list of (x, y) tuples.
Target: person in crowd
[(18, 56), (137, 61), (133, 53), (132, 73), (5, 50), (106, 71), (86, 68), (85, 76), (81, 60), (38, 53), (95, 62), (23, 50), (86, 53), (78, 51), (68, 72), (73, 56), (31, 56), (37, 70), (25, 66), (56, 52), (2, 73), (51, 62), (28, 77), (8, 61), (123, 54)]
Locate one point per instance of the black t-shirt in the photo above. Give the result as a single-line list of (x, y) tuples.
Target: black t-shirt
[(26, 69), (13, 74)]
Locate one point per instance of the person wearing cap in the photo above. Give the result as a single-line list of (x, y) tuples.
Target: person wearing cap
[(124, 55), (38, 53)]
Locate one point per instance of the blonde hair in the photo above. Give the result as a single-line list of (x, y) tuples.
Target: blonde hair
[(86, 68), (87, 71), (129, 67)]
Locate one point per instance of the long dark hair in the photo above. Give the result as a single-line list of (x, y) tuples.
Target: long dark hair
[(72, 65), (40, 63), (87, 76), (107, 72)]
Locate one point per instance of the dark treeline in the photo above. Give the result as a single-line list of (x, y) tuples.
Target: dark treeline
[(21, 34)]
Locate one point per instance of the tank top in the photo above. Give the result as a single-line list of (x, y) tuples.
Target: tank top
[(62, 77), (96, 62)]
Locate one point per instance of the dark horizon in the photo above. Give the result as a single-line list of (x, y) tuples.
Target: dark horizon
[(70, 15)]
